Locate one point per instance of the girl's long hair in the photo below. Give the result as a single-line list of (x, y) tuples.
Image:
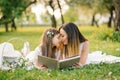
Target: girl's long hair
[(47, 46)]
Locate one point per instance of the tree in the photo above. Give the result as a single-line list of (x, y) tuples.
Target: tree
[(117, 17), (94, 21), (54, 5), (88, 5), (72, 14), (62, 18), (12, 9), (53, 19), (98, 6), (107, 6)]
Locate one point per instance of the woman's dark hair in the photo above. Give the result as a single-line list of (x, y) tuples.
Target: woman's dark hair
[(72, 29), (74, 37)]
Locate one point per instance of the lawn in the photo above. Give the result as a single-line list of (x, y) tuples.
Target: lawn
[(95, 36)]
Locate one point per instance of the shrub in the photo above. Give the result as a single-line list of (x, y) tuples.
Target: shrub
[(114, 36)]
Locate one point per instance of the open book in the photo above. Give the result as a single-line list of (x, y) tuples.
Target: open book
[(55, 64)]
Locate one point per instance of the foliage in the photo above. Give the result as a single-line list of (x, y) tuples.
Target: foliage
[(71, 15), (12, 9), (87, 3), (109, 35), (114, 36), (17, 63), (99, 6), (105, 34)]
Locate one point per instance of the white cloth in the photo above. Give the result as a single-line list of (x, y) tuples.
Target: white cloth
[(7, 51), (93, 58), (33, 54), (26, 48), (97, 56)]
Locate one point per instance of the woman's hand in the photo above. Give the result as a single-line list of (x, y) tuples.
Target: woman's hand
[(77, 65)]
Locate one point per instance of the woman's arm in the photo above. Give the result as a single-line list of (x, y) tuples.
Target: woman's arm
[(84, 53)]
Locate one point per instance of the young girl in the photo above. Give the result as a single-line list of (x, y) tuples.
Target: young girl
[(49, 46)]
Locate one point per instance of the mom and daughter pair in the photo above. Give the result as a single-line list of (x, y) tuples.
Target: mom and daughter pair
[(59, 44), (67, 42), (63, 43)]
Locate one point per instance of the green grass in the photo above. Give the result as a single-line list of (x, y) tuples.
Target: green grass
[(91, 72), (30, 34)]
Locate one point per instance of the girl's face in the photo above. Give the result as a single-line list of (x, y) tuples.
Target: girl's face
[(56, 40), (64, 37)]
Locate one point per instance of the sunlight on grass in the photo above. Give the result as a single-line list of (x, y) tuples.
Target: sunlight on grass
[(95, 36)]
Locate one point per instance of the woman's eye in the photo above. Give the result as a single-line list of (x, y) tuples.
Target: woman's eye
[(62, 35)]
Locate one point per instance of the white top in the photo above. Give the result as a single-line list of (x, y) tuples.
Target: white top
[(38, 51), (81, 47)]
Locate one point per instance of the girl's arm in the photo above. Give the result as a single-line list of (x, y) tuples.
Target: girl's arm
[(38, 65), (38, 51)]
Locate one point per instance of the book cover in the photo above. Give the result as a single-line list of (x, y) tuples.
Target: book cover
[(55, 64)]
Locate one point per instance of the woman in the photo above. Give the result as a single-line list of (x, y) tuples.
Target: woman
[(49, 46), (74, 42)]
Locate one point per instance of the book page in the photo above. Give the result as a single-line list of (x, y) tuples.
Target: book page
[(70, 58)]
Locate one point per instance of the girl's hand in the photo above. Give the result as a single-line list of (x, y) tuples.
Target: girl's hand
[(42, 67)]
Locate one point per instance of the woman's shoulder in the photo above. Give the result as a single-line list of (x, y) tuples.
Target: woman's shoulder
[(84, 45)]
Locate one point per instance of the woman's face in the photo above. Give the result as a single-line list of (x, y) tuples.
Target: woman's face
[(64, 37), (56, 40)]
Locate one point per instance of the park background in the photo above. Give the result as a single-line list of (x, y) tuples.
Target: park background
[(98, 20)]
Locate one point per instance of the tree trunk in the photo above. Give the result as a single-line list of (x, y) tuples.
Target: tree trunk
[(94, 21), (111, 16), (6, 27), (13, 26), (53, 20), (5, 23), (62, 18), (117, 16)]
